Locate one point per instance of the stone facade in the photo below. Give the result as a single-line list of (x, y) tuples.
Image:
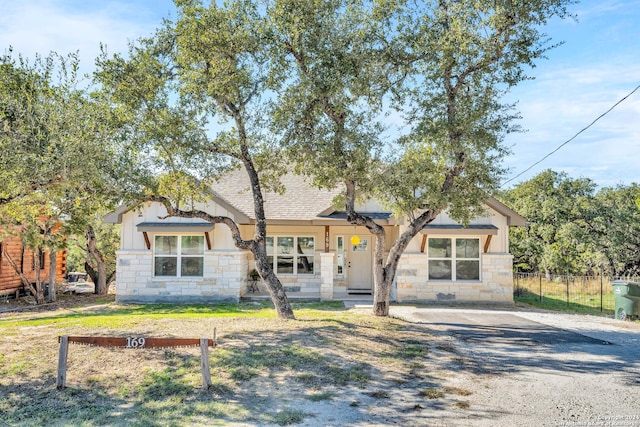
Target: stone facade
[(496, 285), (226, 268), (224, 272), (326, 275)]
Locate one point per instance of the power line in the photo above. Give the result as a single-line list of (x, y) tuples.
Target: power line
[(572, 138)]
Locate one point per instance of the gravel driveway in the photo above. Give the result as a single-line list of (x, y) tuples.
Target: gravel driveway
[(531, 368)]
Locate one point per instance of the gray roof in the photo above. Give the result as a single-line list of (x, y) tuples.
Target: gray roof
[(300, 200)]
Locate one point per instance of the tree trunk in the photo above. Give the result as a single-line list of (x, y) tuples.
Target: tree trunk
[(101, 284), (279, 297), (36, 266), (53, 262), (25, 282), (382, 284), (381, 296), (93, 274), (384, 274), (274, 286), (258, 247)]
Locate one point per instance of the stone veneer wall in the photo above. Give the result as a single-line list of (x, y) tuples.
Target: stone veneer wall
[(496, 284), (326, 276), (224, 274)]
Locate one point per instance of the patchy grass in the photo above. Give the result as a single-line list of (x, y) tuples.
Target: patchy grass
[(288, 416), (317, 397), (380, 394), (431, 393), (458, 391), (264, 371), (119, 317)]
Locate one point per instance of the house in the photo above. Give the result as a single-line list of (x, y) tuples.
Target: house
[(314, 250), (24, 258)]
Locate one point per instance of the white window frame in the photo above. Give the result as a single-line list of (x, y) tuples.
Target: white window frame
[(294, 254), (454, 260), (179, 255)]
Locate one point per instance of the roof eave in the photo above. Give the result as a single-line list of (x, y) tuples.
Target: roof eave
[(514, 219)]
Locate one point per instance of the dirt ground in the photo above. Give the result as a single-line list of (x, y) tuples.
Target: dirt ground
[(426, 366)]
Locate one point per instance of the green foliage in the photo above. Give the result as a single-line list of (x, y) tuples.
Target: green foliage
[(59, 160), (309, 83), (108, 241), (190, 99), (572, 228), (441, 67), (618, 224), (558, 210)]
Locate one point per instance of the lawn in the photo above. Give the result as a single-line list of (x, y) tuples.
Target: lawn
[(577, 294), (330, 366)]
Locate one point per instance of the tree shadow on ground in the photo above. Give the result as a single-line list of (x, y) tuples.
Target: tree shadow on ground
[(497, 343)]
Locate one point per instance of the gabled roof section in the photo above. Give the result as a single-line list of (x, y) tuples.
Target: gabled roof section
[(300, 201), (514, 219), (115, 217)]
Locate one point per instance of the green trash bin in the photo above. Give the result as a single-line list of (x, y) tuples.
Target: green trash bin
[(627, 299)]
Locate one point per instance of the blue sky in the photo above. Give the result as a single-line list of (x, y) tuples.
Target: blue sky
[(598, 64)]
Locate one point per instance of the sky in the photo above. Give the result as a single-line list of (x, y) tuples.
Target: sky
[(597, 65)]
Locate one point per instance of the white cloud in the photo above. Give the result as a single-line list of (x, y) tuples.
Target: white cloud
[(43, 26)]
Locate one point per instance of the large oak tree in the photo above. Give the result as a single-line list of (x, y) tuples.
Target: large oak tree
[(193, 101), (314, 80), (443, 65), (57, 158)]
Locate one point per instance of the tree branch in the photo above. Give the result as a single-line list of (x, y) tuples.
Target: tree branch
[(176, 212)]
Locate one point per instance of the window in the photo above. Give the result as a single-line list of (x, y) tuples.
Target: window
[(39, 253), (179, 256), (291, 255), (454, 259)]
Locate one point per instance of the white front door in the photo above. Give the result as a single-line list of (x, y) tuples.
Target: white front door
[(359, 266)]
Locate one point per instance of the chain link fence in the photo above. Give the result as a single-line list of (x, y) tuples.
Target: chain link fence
[(584, 294)]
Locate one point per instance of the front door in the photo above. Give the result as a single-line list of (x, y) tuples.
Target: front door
[(359, 267)]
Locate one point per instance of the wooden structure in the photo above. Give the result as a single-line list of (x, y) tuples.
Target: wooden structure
[(136, 343), (10, 282)]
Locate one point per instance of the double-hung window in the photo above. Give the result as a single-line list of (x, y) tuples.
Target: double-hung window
[(291, 254), (454, 258), (178, 256)]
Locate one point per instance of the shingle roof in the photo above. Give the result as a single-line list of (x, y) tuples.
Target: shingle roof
[(300, 200)]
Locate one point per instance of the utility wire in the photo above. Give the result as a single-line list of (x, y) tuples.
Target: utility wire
[(572, 138)]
